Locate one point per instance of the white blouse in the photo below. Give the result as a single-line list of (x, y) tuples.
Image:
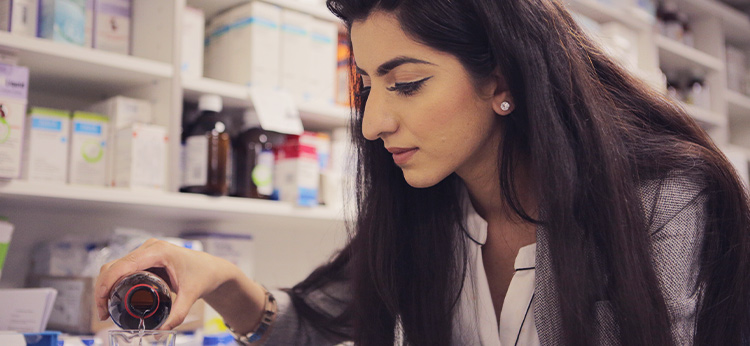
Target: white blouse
[(475, 322)]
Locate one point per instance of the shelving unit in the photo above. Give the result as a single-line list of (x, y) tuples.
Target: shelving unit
[(674, 56), (314, 115), (631, 17), (738, 105), (66, 68)]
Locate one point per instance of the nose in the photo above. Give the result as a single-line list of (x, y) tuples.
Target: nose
[(378, 120)]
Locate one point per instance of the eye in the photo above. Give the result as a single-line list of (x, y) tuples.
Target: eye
[(408, 88), (363, 92)]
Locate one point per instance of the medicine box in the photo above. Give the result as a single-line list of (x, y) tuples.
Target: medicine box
[(140, 157), (111, 30), (323, 52), (124, 111), (193, 37), (63, 20), (46, 145), (88, 149), (295, 48), (235, 248), (243, 45), (19, 16), (14, 83), (297, 173)]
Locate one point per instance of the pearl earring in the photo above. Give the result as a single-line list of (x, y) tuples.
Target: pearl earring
[(505, 106)]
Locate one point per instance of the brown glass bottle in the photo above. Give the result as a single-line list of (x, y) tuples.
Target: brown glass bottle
[(140, 296), (206, 144), (253, 159)]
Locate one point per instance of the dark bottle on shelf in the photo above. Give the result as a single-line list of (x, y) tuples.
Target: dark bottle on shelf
[(140, 296), (206, 150), (253, 159)]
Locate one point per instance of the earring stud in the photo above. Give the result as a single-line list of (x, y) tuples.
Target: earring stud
[(505, 106)]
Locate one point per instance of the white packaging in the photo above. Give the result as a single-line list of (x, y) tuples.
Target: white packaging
[(6, 231), (193, 37), (111, 31), (14, 83), (46, 145), (323, 61), (243, 45), (63, 21), (297, 174), (140, 157), (235, 248), (19, 16), (88, 149), (124, 111), (295, 47)]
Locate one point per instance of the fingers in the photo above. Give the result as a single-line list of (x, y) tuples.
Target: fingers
[(180, 308), (150, 254)]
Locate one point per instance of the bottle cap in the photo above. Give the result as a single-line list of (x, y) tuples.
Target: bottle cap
[(210, 102)]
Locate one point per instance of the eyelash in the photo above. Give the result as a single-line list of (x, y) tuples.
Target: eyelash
[(409, 88), (403, 89)]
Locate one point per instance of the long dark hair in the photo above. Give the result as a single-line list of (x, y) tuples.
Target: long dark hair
[(591, 134)]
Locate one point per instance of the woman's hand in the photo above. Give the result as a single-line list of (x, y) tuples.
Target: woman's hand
[(193, 275)]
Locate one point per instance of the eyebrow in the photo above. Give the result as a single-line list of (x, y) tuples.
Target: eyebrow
[(393, 63)]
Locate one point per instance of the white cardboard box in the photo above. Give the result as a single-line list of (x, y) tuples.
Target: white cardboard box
[(140, 157), (14, 87), (111, 29), (88, 149), (19, 16), (193, 37), (244, 45), (323, 61), (295, 49), (46, 145)]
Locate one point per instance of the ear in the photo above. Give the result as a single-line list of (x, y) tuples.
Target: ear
[(502, 101)]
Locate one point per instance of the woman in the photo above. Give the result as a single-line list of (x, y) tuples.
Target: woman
[(514, 185)]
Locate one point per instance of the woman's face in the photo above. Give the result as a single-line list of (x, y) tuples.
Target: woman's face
[(423, 104)]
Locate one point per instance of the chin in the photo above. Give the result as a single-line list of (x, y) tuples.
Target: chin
[(420, 181)]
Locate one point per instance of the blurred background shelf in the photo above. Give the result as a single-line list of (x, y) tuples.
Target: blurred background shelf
[(738, 104), (313, 115), (675, 56), (65, 68)]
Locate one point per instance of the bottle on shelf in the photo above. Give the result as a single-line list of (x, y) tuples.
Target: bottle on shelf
[(206, 150), (669, 20), (140, 301), (254, 159)]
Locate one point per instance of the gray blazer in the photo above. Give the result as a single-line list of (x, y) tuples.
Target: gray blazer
[(676, 209)]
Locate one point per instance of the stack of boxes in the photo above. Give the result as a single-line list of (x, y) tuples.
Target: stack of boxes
[(262, 45), (101, 24)]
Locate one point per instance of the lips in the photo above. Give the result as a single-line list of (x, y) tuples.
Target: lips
[(402, 155)]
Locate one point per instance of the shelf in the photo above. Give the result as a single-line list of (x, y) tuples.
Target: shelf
[(675, 56), (738, 104), (213, 7), (314, 115), (705, 117), (601, 13), (67, 69), (736, 24), (158, 204)]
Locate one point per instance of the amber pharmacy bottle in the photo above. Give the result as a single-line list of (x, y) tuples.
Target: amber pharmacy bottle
[(253, 159), (142, 295), (206, 150)]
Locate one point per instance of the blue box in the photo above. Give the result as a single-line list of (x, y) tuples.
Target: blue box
[(48, 338), (63, 21)]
